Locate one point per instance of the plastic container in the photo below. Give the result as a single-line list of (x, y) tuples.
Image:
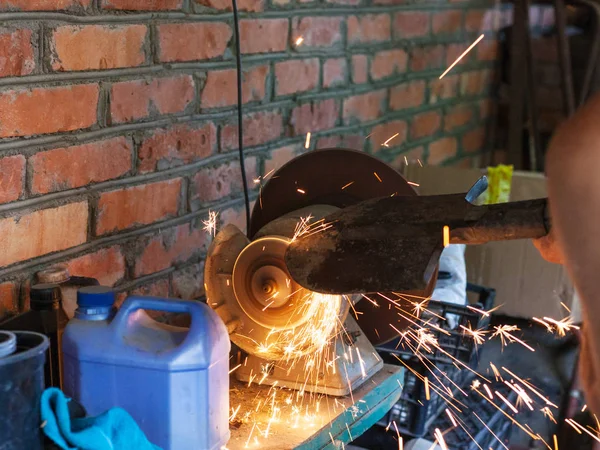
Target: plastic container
[(173, 381), (21, 386), (46, 316)]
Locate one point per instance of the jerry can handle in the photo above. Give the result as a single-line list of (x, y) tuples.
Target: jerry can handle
[(134, 303)]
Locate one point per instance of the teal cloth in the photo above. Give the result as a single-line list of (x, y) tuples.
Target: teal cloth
[(114, 429)]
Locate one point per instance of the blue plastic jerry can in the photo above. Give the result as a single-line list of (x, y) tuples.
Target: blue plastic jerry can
[(173, 381)]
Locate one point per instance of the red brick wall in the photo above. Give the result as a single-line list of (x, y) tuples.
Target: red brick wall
[(117, 132)]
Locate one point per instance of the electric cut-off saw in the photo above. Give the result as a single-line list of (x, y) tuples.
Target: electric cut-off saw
[(328, 225)]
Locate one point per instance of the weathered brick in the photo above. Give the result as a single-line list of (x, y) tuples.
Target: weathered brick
[(352, 141), (315, 116), (192, 41), (225, 5), (454, 51), (443, 89), (106, 265), (369, 28), (488, 50), (175, 146), (236, 215), (220, 88), (411, 24), (16, 52), (447, 22), (388, 62), (12, 170), (79, 165), (425, 124), (360, 66), (158, 288), (407, 95), (474, 140), (141, 5), (43, 5), (457, 117), (344, 2), (486, 108), (390, 134), (212, 184), (278, 157), (427, 58), (474, 21), (24, 112), (264, 35), (134, 100), (259, 128), (329, 141), (9, 301), (93, 47), (441, 150), (364, 107), (296, 76), (137, 205), (475, 83), (38, 233), (188, 283), (334, 72), (170, 247), (317, 31)]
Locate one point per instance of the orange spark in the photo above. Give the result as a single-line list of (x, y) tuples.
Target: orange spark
[(446, 233), (462, 56), (307, 143), (427, 388), (299, 40), (235, 368), (377, 176), (451, 417), (555, 442), (413, 184), (505, 400), (302, 191), (347, 185), (440, 439), (385, 144)]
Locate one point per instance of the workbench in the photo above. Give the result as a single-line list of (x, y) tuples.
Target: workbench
[(339, 420)]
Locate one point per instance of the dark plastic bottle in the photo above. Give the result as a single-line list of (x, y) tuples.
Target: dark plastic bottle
[(46, 316)]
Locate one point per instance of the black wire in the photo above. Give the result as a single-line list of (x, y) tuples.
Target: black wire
[(239, 108)]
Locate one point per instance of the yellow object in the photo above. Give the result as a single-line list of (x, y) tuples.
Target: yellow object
[(499, 183)]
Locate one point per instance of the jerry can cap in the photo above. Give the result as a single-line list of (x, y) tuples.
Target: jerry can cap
[(95, 296)]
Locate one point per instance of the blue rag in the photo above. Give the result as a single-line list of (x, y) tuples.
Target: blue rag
[(113, 430)]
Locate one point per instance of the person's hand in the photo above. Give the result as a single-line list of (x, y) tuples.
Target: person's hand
[(549, 248)]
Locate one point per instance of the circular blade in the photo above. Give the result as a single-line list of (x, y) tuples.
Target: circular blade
[(341, 178)]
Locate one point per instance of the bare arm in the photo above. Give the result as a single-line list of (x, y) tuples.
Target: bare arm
[(573, 169)]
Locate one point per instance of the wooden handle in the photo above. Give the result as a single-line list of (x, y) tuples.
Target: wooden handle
[(504, 221)]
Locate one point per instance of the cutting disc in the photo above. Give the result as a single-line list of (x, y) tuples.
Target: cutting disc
[(341, 178)]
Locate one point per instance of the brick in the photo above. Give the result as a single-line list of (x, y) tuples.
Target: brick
[(486, 108), (329, 142), (425, 124), (16, 53), (9, 300), (318, 31), (137, 205), (411, 24), (141, 5), (188, 283), (407, 95), (93, 47), (170, 247), (427, 58), (474, 140), (457, 117), (441, 150), (296, 76), (264, 35), (106, 265), (225, 5), (259, 128), (175, 146), (475, 83), (220, 88), (215, 183), (488, 50), (443, 89), (454, 51), (12, 171), (447, 22), (360, 67), (80, 165), (364, 107), (369, 28), (38, 233), (25, 112), (334, 72), (192, 41), (159, 288), (236, 216), (352, 141), (315, 116), (134, 100), (43, 5), (475, 21), (278, 157), (390, 134), (388, 62)]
